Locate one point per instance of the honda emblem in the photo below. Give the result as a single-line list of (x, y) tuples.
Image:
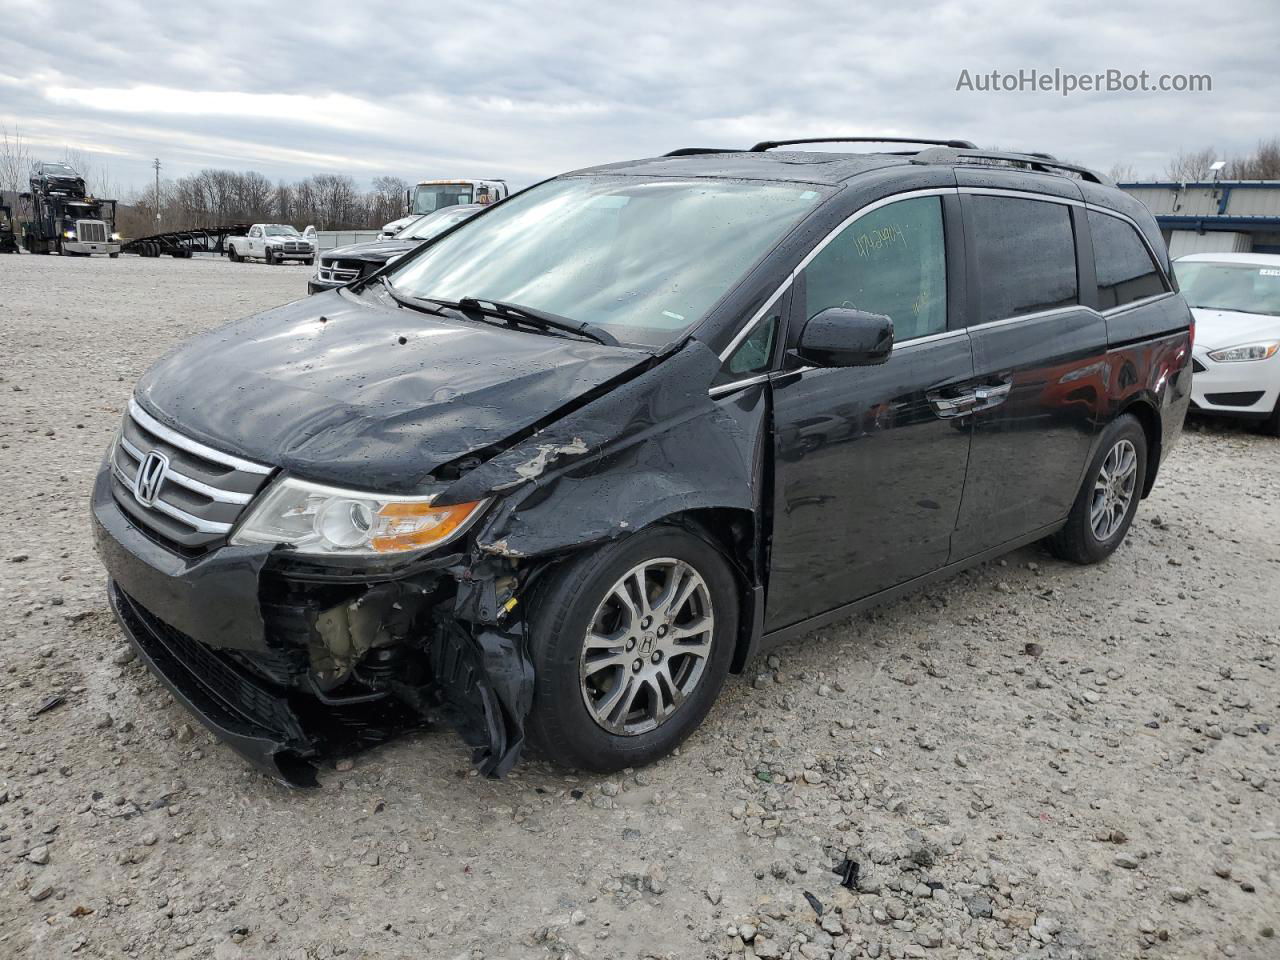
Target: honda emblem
[(151, 474)]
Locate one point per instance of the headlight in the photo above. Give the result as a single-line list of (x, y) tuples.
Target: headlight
[(1248, 351), (69, 234), (314, 519), (115, 236)]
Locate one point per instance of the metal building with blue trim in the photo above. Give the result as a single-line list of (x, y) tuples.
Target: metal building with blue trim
[(1216, 216)]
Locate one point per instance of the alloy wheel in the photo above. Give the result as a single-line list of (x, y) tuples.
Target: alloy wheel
[(647, 646), (1113, 490)]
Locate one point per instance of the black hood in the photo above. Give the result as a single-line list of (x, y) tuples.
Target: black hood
[(375, 251), (357, 392)]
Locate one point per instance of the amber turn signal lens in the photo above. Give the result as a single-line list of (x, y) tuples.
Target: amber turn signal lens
[(403, 526)]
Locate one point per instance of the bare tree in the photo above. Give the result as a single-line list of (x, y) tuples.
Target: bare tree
[(15, 163), (283, 203), (386, 200), (1188, 167), (1122, 173), (1262, 164), (256, 196)]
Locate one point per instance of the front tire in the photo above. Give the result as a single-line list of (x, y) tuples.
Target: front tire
[(1271, 426), (1104, 509), (631, 643)]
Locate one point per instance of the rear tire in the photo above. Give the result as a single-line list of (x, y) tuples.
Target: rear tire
[(232, 255), (572, 692), (1108, 499)]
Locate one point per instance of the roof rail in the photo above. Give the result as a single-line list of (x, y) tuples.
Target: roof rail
[(764, 145), (1038, 162), (696, 151)]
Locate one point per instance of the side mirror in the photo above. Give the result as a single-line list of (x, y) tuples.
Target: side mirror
[(841, 337)]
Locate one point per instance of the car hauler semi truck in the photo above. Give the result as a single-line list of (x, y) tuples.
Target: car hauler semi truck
[(64, 218)]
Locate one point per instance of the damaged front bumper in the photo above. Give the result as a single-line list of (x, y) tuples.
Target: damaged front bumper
[(288, 664), (253, 720)]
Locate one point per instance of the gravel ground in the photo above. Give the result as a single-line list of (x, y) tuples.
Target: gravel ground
[(1033, 759)]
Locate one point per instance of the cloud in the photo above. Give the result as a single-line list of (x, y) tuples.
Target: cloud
[(527, 88), (328, 110)]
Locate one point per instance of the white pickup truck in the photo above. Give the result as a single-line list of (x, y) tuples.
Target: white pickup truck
[(272, 242)]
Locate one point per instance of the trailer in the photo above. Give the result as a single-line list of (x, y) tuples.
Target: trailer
[(182, 244)]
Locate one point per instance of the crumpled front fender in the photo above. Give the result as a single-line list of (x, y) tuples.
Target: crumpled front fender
[(656, 446)]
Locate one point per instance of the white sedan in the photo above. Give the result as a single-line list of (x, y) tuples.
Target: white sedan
[(1235, 298)]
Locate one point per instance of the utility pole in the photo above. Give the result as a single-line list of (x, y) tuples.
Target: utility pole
[(156, 163)]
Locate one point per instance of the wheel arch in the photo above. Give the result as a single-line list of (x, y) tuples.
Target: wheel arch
[(1144, 411), (734, 532)]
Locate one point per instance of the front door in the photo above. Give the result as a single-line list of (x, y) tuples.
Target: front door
[(869, 462)]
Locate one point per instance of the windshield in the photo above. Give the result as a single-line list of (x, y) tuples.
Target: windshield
[(1244, 287), (643, 258), (433, 224), (430, 197), (279, 230), (59, 169)]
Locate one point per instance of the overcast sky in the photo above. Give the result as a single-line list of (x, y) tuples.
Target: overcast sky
[(523, 90)]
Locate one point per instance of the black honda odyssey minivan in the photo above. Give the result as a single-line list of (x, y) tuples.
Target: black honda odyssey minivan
[(558, 472)]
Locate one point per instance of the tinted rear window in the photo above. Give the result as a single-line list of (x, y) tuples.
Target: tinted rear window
[(1125, 269), (1026, 256)]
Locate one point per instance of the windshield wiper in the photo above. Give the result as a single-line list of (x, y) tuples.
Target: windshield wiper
[(540, 319), (421, 304)]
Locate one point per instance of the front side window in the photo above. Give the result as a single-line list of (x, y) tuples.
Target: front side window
[(891, 261), (643, 257), (755, 353), (1026, 256), (1240, 287), (1125, 269), (428, 198)]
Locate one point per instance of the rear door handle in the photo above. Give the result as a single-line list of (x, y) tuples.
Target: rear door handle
[(992, 394), (953, 406)]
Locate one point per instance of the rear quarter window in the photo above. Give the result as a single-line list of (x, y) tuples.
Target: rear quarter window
[(1124, 266), (1026, 256)]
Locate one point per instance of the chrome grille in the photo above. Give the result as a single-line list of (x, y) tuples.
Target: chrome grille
[(339, 271), (91, 231), (297, 246), (189, 495)]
